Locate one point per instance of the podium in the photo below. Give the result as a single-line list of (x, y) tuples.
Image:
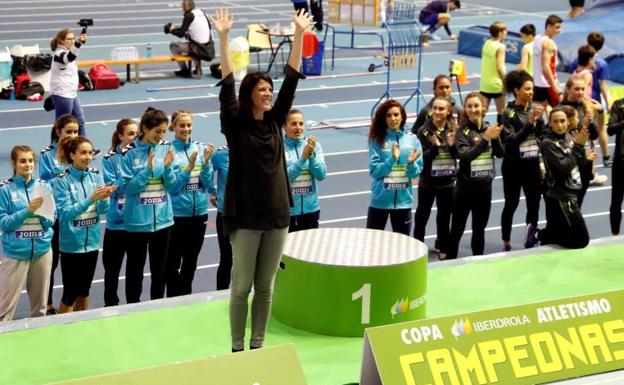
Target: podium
[(340, 281)]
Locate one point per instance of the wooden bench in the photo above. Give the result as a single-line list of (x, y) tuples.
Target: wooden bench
[(136, 62)]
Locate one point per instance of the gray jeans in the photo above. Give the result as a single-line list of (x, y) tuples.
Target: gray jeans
[(256, 256)]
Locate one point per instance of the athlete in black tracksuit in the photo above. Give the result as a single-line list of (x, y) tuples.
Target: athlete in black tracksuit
[(437, 182), (473, 190), (587, 168), (521, 164), (615, 127), (563, 158)]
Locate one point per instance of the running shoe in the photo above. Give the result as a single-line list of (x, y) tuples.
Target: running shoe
[(531, 236), (598, 180), (507, 247), (607, 161)]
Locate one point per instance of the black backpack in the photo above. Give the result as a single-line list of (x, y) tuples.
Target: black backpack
[(84, 83), (30, 88), (38, 62)]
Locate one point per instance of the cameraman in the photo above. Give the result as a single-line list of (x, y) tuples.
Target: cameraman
[(64, 75), (196, 28)]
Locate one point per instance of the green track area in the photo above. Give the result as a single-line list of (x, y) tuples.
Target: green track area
[(158, 337)]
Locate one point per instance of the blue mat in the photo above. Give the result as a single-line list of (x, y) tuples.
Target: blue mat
[(604, 16)]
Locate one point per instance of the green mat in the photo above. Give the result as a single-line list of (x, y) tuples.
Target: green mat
[(150, 338)]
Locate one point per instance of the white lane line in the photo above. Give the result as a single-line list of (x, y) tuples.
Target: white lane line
[(487, 229)]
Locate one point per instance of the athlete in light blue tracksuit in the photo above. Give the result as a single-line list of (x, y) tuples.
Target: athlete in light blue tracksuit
[(115, 235), (26, 237), (394, 160), (306, 165), (65, 127), (81, 197), (220, 164), (148, 180), (190, 204)]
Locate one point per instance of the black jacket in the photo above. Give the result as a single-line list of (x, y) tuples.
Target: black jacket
[(472, 149), (615, 127), (446, 155), (562, 159), (520, 138), (425, 113), (257, 194)]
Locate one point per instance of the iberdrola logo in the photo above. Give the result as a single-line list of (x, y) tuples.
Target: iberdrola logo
[(401, 306), (461, 328)]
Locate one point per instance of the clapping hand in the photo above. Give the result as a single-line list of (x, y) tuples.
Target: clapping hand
[(309, 147), (169, 159), (411, 158), (208, 153), (492, 132), (35, 204)]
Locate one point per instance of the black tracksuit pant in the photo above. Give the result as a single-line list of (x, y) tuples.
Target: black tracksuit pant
[(470, 200), (565, 225), (187, 239), (401, 219), (515, 177), (617, 195), (444, 203), (224, 271), (139, 243), (56, 256), (114, 250)]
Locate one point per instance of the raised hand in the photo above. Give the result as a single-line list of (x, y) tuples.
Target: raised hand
[(35, 204), (222, 21), (302, 21), (536, 113), (192, 160), (411, 158), (168, 158)]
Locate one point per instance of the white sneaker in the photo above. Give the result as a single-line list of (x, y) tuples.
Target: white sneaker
[(434, 37), (598, 180)]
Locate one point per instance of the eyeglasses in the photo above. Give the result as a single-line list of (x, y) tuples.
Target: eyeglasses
[(70, 38)]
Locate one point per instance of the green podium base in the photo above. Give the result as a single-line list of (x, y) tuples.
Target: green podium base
[(341, 281)]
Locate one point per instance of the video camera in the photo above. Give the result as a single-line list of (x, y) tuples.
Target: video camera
[(167, 28), (84, 23)]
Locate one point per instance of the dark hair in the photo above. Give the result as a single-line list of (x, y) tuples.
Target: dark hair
[(19, 149), (119, 130), (60, 36), (295, 111), (515, 79), (378, 125), (152, 118), (496, 28), (552, 20), (585, 53), (438, 78), (457, 3), (449, 104), (528, 29), (69, 146), (475, 94), (568, 110), (596, 40), (245, 104), (176, 114), (59, 123)]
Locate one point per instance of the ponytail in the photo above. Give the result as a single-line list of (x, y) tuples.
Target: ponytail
[(69, 146), (119, 130)]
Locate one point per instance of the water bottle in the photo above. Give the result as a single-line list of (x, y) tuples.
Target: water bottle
[(149, 51), (12, 94)]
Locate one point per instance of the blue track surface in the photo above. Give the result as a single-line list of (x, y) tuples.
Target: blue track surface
[(345, 192)]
